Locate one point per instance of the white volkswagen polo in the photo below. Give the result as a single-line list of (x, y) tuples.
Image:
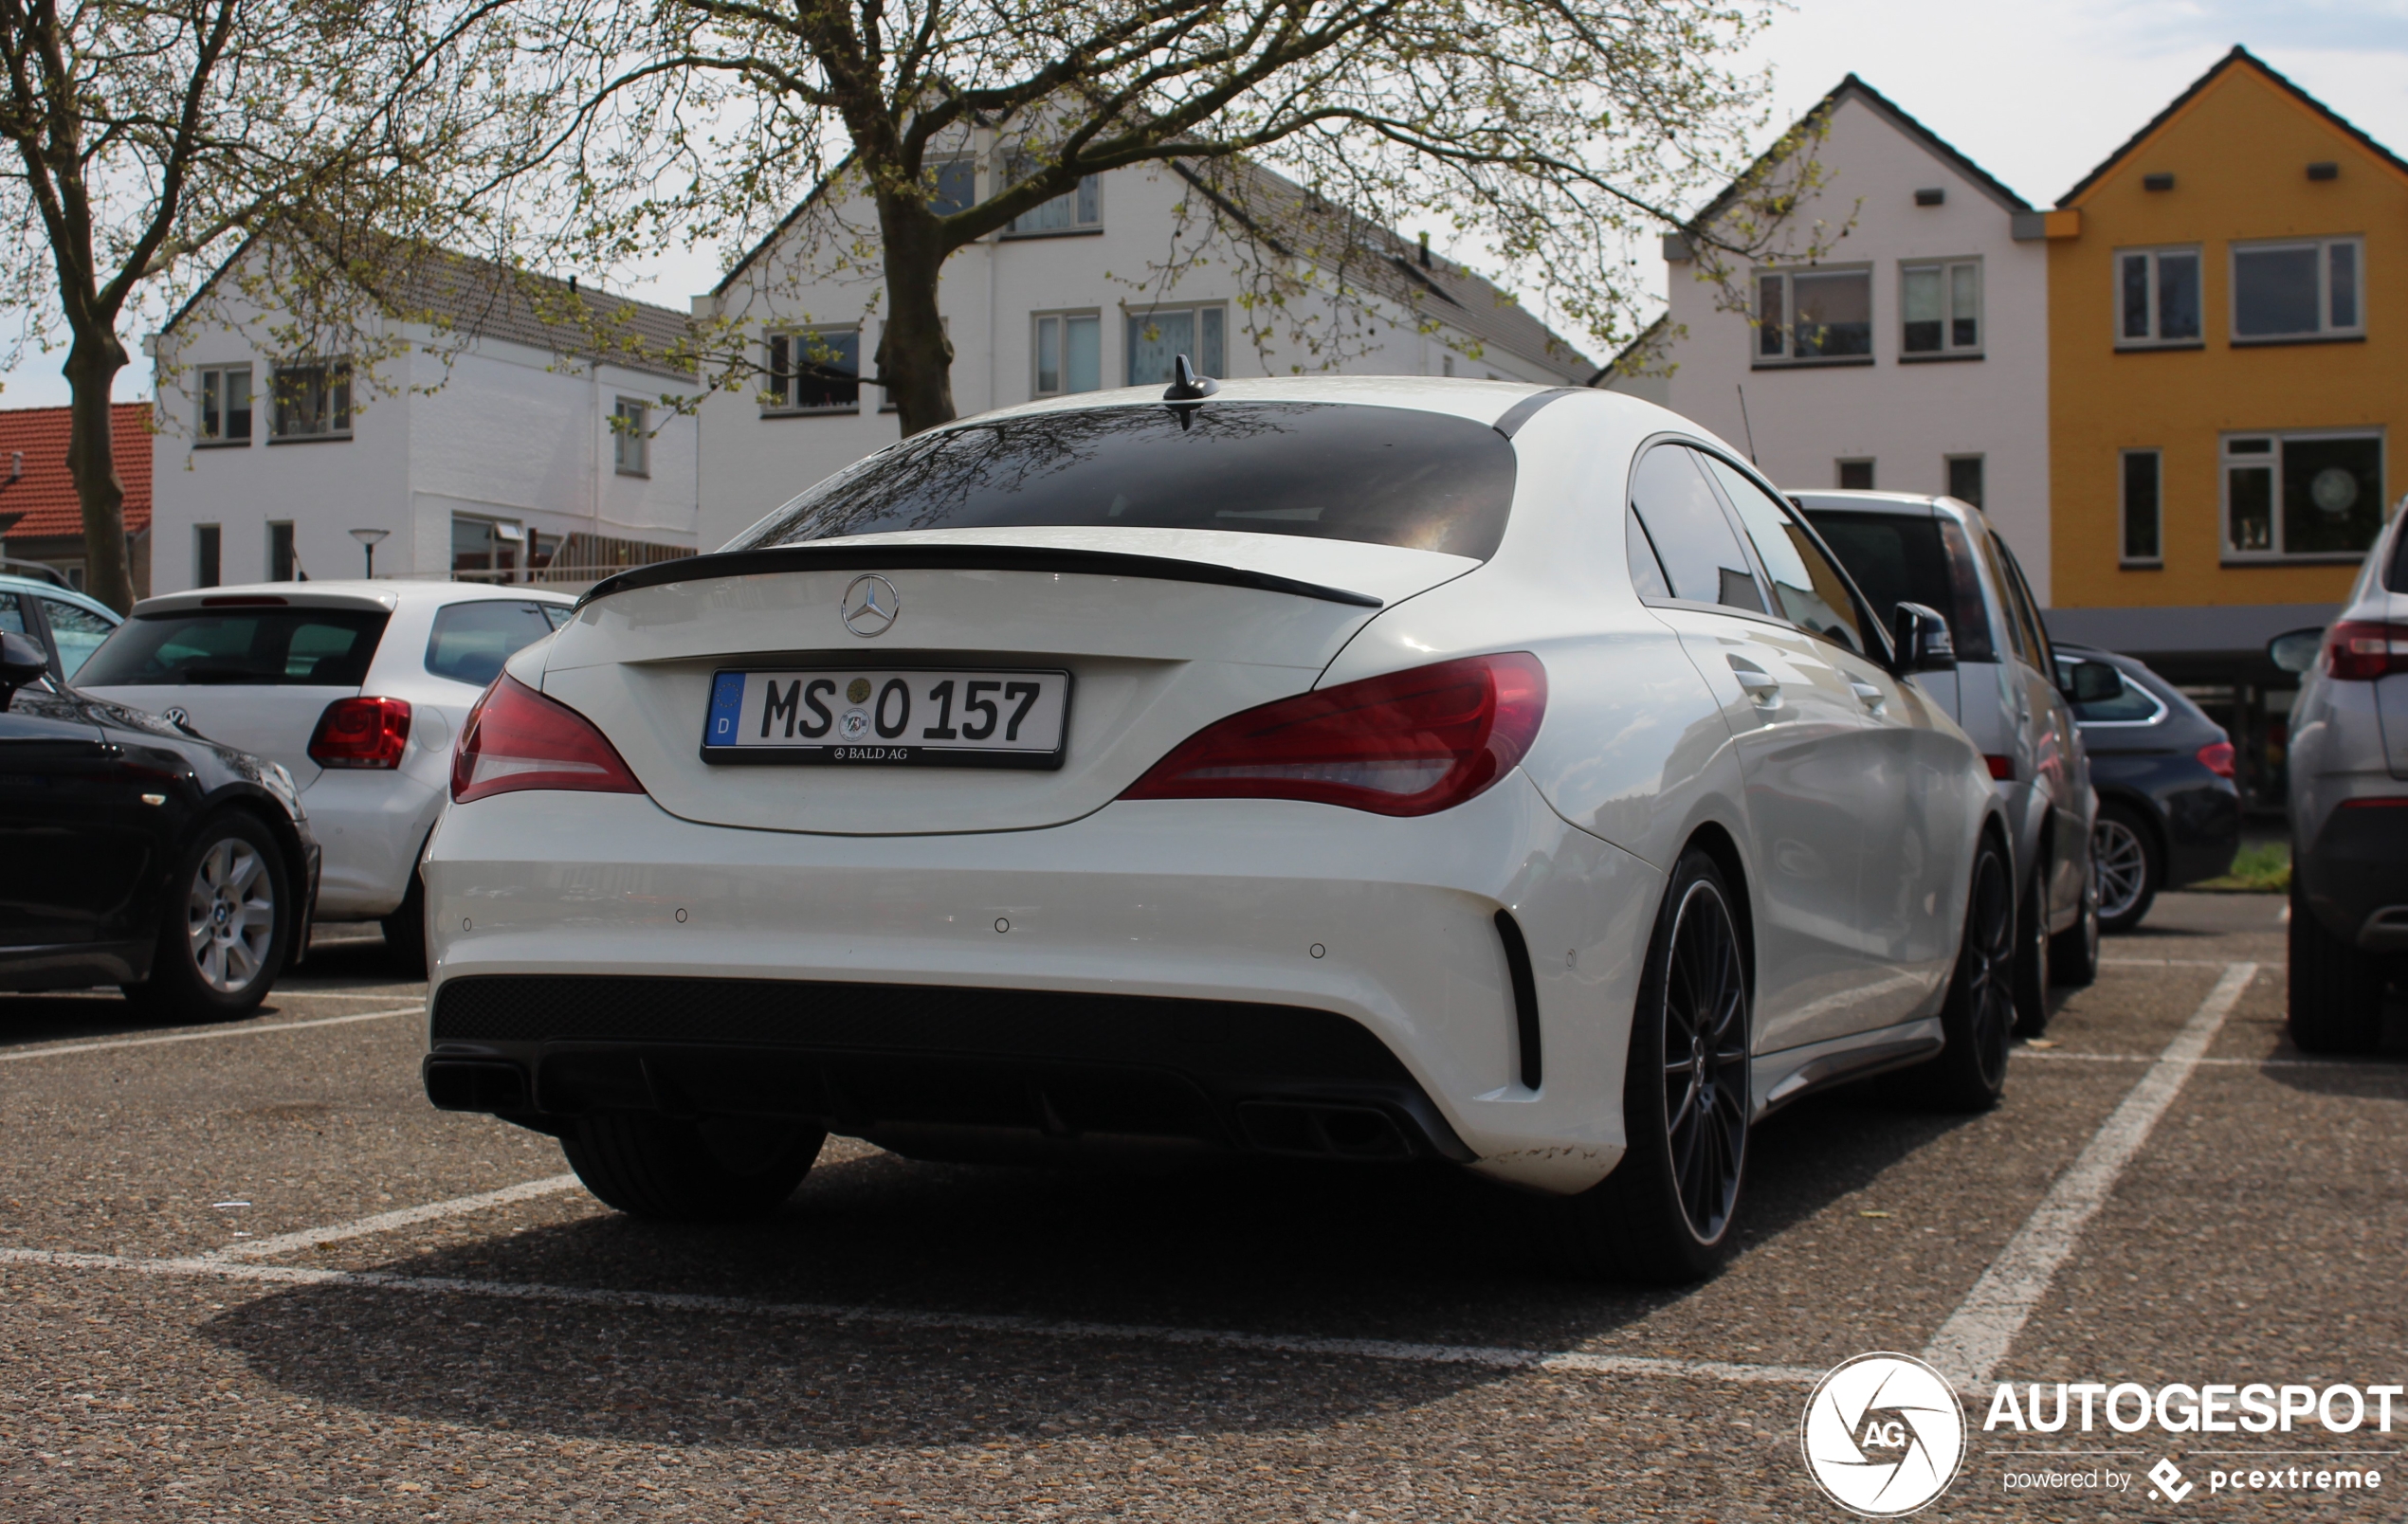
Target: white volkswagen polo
[(1370, 769)]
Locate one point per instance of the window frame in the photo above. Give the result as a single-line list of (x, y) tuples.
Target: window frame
[(1787, 358), (2124, 558), (2326, 332), (1062, 318), (1949, 349), (936, 168), (1131, 315), (292, 548), (213, 538), (337, 379), (204, 376), (1766, 588), (2155, 253), (781, 408), (1981, 470), (1635, 525), (1839, 472), (1016, 167), (632, 447), (2227, 460)]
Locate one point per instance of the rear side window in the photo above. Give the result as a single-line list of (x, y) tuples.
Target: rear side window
[(1384, 475), (11, 615), (1895, 560), (273, 648), (472, 640), (1812, 593), (1690, 534), (77, 631)]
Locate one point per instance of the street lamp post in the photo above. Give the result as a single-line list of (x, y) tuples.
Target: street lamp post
[(368, 539)]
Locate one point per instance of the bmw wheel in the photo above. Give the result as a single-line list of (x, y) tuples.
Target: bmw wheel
[(1979, 1018), (227, 925), (1665, 1214), (2124, 859)]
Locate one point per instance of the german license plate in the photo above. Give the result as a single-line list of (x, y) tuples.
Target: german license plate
[(901, 716)]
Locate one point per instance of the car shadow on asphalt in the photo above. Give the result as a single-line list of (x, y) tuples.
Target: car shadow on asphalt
[(1418, 1255), (345, 962)]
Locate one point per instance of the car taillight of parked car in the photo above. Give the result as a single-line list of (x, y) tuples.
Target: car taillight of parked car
[(361, 732), (2217, 757), (2361, 650), (1409, 743), (516, 738)]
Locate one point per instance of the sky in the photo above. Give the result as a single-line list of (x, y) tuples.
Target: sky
[(2034, 91)]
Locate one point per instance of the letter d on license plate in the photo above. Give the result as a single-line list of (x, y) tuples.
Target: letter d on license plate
[(889, 716)]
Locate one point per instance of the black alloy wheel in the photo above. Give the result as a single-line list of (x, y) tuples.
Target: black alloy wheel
[(2124, 859), (1665, 1214), (1979, 1018), (2073, 953), (2031, 982)]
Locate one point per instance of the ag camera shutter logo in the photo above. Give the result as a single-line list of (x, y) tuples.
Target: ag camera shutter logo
[(1884, 1435)]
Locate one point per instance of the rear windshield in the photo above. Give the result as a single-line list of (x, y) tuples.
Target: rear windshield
[(472, 640), (288, 648), (1384, 476), (1896, 559)]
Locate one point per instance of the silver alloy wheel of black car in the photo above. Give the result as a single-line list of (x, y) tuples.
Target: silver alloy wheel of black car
[(2120, 859), (1706, 1061), (229, 916)]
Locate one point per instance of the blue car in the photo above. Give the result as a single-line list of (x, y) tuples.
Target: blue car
[(66, 624)]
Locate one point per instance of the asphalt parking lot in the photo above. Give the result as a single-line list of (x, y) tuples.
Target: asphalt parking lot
[(246, 1272)]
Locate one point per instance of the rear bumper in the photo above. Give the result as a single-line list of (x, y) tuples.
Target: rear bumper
[(2355, 877), (1230, 973)]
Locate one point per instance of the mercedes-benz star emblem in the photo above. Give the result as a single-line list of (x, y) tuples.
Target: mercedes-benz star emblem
[(871, 606)]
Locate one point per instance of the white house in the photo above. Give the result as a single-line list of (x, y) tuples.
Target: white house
[(1913, 356), (1099, 288), (493, 444)]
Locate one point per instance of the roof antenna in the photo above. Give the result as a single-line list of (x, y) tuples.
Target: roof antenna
[(1186, 386), (1748, 427)]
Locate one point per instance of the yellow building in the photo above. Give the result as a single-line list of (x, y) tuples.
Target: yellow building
[(2227, 345)]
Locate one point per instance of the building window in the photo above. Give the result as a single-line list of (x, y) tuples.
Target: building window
[(2315, 495), (2305, 289), (313, 400), (283, 564), (2157, 296), (225, 405), (2144, 513), (485, 550), (814, 371), (1855, 476), (1964, 479), (1156, 336), (1078, 210), (1940, 309), (957, 187), (208, 561), (1805, 316), (1069, 349), (631, 437)]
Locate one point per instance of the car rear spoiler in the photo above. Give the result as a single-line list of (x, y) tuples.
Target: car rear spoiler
[(961, 557)]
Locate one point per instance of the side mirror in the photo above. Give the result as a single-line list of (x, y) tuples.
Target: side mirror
[(2295, 650), (2096, 682), (21, 661), (1922, 642)]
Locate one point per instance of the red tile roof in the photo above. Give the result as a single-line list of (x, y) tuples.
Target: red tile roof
[(44, 496)]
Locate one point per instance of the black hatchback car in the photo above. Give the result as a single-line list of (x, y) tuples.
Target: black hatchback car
[(2169, 813), (140, 855)]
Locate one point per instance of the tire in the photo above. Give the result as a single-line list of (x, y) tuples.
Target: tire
[(2127, 865), (713, 1170), (227, 927), (1664, 1216), (1979, 1018), (406, 930), (2031, 956), (2336, 990), (2073, 953)]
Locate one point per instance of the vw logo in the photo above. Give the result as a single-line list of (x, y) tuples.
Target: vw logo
[(174, 714), (871, 606)]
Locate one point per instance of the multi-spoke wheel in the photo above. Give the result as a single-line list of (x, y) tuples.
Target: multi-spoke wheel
[(2123, 860), (227, 925), (1970, 1074), (1665, 1214)]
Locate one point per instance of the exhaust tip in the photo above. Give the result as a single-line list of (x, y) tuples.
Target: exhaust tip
[(1320, 1131), (471, 1085)]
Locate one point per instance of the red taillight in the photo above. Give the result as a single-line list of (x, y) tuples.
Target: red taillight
[(361, 732), (1410, 743), (2217, 757), (2361, 650), (2001, 767), (517, 738)]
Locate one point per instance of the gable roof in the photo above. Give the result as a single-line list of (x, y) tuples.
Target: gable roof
[(484, 299), (41, 504), (2236, 58), (1646, 337)]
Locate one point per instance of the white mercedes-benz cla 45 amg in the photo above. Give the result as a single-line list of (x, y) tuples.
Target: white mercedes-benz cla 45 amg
[(1372, 770)]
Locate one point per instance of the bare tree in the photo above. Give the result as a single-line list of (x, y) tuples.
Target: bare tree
[(151, 137), (1555, 133)]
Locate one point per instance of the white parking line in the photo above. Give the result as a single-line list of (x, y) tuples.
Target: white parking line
[(1384, 1350), (2162, 963), (2358, 1065), (386, 1221), (1975, 1338), (64, 1048)]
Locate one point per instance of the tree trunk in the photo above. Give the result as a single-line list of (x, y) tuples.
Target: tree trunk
[(93, 363), (914, 357)]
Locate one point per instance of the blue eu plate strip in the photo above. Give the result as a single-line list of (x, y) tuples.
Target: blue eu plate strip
[(727, 703)]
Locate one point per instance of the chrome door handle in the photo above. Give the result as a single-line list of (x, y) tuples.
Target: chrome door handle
[(1872, 697), (1761, 686)]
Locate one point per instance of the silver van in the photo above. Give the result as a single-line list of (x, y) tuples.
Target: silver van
[(1943, 553)]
